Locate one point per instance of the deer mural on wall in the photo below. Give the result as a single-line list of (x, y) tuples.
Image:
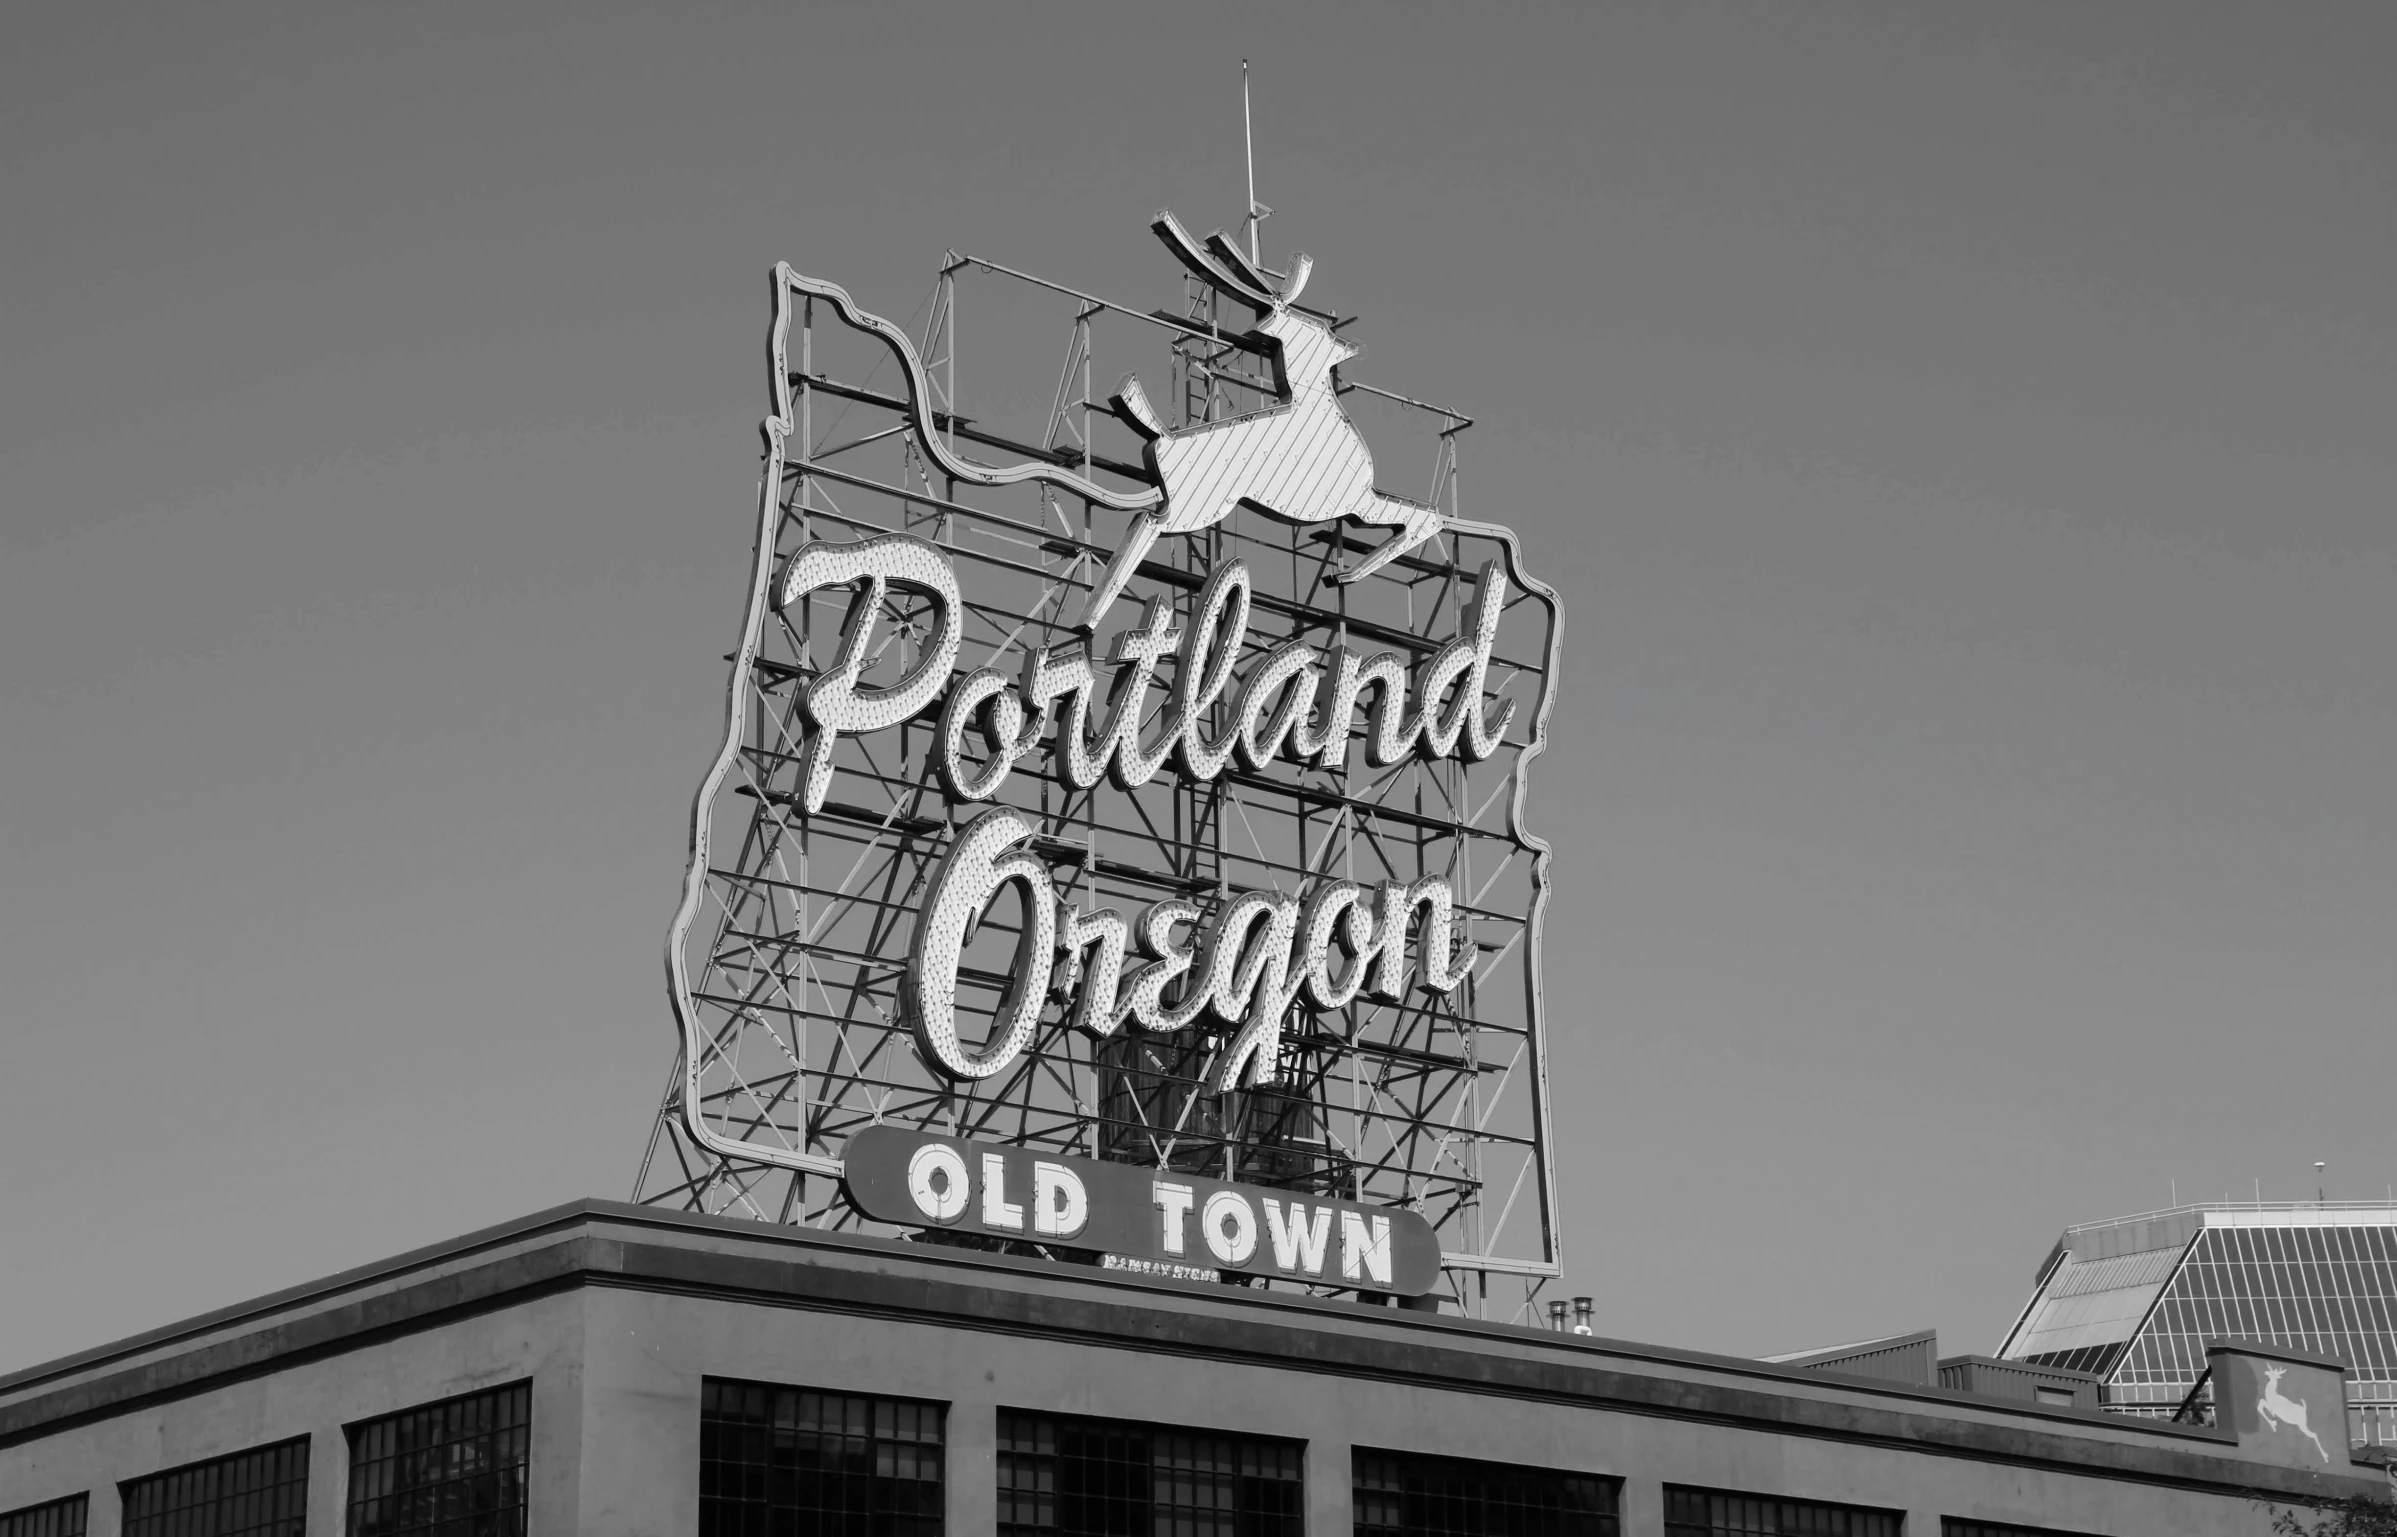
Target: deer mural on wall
[(1300, 460), (2280, 1409)]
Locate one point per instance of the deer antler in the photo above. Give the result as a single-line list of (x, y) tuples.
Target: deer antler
[(1258, 294), (1220, 246), (1236, 262), (1301, 266)]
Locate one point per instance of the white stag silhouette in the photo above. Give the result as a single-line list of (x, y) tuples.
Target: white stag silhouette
[(1300, 460), (2280, 1409)]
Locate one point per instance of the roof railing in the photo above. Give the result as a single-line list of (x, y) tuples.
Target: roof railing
[(2186, 1208)]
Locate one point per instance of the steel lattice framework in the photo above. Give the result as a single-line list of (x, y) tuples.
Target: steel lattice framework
[(787, 957)]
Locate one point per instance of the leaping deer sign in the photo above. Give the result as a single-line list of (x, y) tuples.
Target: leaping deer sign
[(2279, 1409), (1300, 460)]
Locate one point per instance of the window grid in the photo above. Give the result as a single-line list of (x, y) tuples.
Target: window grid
[(450, 1469), (1726, 1513), (1956, 1526), (790, 1462), (54, 1518), (1404, 1495), (1061, 1476), (2329, 1291), (260, 1493)]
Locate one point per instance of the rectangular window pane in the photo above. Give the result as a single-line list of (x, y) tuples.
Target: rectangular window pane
[(58, 1518), (261, 1493), (1727, 1513), (792, 1462), (450, 1469), (1951, 1526), (1400, 1494), (1061, 1476)]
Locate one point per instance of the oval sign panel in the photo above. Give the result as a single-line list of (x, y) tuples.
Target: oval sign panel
[(1159, 1221)]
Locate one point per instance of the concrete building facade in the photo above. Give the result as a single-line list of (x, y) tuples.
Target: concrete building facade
[(616, 1319)]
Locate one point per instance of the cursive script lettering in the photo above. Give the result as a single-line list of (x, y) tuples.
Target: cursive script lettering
[(1295, 701), (1244, 965)]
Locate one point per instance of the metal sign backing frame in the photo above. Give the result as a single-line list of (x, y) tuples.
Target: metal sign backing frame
[(787, 949)]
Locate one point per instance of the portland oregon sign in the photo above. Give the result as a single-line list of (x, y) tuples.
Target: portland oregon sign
[(1116, 848)]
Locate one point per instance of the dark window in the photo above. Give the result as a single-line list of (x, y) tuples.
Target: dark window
[(1951, 1526), (1062, 1477), (451, 1469), (2087, 1358), (1402, 1495), (786, 1462), (59, 1518), (1722, 1513), (249, 1494)]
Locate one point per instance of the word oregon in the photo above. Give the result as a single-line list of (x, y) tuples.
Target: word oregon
[(1244, 965), (1280, 706)]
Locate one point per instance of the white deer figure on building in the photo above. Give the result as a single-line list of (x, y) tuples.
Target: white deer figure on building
[(2280, 1409), (1300, 460)]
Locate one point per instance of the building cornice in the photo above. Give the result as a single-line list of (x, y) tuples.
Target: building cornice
[(595, 1244)]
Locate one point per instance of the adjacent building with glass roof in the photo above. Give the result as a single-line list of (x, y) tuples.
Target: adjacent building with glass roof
[(2136, 1300)]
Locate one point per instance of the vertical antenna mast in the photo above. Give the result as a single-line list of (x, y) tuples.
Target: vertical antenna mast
[(1248, 139)]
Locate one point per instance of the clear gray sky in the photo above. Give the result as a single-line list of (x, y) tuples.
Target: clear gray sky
[(1963, 436)]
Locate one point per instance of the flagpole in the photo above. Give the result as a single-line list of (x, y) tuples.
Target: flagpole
[(1248, 139)]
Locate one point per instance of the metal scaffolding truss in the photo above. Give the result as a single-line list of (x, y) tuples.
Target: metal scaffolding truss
[(787, 958)]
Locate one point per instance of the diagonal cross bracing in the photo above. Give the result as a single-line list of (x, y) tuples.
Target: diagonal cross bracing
[(810, 917)]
